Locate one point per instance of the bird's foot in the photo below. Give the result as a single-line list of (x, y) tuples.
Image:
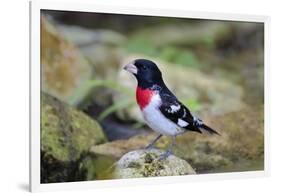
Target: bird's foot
[(165, 155)]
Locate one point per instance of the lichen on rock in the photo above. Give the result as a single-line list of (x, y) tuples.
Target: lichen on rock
[(65, 131), (66, 137), (147, 163)]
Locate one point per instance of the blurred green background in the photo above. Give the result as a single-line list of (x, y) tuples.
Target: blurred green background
[(89, 113)]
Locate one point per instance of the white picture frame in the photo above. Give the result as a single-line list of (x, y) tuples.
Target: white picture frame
[(35, 71)]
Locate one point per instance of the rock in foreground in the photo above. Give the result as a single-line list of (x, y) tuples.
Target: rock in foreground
[(66, 136), (146, 163)]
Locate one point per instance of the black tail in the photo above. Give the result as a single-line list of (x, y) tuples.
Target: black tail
[(210, 130)]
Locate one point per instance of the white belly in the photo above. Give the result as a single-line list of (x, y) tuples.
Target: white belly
[(156, 120)]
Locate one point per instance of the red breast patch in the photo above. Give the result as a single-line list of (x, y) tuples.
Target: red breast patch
[(143, 97)]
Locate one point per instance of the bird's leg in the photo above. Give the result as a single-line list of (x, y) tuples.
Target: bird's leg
[(153, 142), (169, 150)]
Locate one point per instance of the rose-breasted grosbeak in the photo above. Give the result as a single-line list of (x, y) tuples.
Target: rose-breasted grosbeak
[(161, 109)]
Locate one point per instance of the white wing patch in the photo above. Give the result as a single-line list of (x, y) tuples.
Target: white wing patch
[(174, 108), (197, 121), (184, 113), (182, 123)]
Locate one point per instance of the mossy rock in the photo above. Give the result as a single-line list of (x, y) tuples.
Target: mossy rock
[(65, 131), (66, 137), (147, 163)]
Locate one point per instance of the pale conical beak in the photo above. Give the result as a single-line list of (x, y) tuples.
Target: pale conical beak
[(131, 68)]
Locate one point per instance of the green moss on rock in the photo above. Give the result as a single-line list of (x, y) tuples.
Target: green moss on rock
[(65, 131), (66, 137)]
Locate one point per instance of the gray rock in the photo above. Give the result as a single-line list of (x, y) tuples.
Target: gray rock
[(146, 163), (100, 47), (90, 36)]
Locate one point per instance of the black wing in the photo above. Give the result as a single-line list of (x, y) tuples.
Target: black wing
[(175, 111)]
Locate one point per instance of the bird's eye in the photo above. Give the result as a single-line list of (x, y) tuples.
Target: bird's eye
[(144, 67)]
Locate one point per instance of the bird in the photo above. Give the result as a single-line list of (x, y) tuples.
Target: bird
[(160, 108)]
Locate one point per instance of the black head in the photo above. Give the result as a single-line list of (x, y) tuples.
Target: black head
[(146, 72)]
